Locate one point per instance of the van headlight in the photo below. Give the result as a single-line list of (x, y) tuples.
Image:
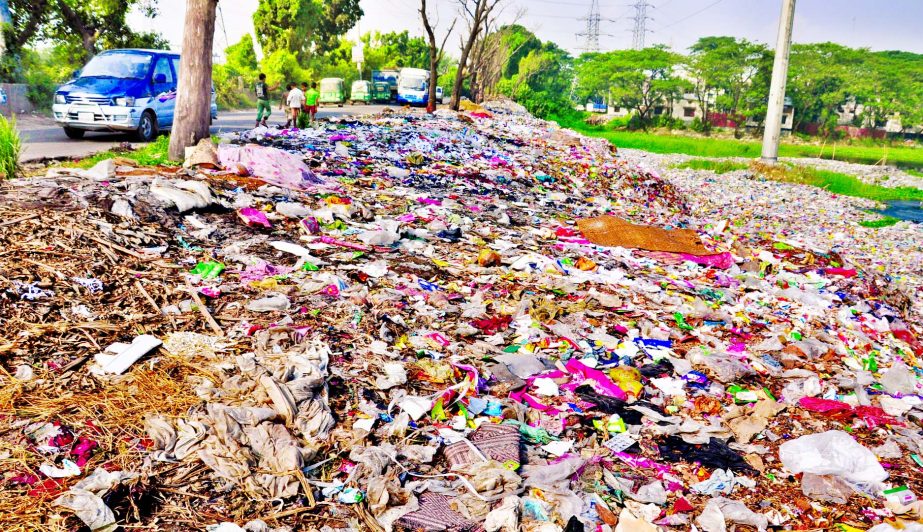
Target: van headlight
[(125, 101), (59, 98)]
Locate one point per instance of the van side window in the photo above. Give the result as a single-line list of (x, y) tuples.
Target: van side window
[(163, 67), (175, 61)]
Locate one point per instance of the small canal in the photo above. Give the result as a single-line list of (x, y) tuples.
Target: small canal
[(904, 210)]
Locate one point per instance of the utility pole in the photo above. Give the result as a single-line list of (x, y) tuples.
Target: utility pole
[(639, 33), (777, 89), (592, 33), (592, 28)]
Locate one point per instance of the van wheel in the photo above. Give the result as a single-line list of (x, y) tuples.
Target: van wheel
[(147, 127), (74, 133)]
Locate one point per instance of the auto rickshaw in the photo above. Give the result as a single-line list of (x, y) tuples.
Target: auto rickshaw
[(361, 92), (381, 91), (332, 91)]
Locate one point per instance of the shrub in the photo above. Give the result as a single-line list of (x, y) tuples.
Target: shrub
[(668, 122), (10, 148), (635, 123), (697, 125), (619, 122)]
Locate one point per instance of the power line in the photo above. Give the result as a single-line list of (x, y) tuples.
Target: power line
[(689, 16), (639, 33)]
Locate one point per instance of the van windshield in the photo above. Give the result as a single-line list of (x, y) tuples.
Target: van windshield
[(413, 84), (116, 65)]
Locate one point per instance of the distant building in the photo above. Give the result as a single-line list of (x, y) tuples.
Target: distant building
[(687, 109)]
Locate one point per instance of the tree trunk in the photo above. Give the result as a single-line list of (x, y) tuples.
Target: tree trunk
[(193, 99), (460, 77), (433, 77), (435, 55)]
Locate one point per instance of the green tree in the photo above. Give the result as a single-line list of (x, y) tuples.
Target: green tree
[(821, 77), (637, 79), (95, 24), (241, 56), (722, 70), (890, 87), (542, 81), (304, 27), (84, 27), (497, 56), (384, 50)]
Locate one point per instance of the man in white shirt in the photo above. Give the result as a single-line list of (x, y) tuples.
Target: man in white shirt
[(295, 103)]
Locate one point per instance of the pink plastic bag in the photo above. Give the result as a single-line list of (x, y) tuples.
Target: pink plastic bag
[(254, 218), (824, 406)]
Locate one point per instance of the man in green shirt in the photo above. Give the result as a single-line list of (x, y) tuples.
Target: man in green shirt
[(310, 100)]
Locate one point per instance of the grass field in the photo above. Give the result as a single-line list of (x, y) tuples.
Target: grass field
[(714, 147), (152, 154), (716, 166), (835, 182), (885, 221)]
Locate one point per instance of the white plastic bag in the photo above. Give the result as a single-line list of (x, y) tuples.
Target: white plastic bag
[(832, 453)]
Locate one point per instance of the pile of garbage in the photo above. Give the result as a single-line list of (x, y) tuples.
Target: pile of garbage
[(813, 216), (451, 322)]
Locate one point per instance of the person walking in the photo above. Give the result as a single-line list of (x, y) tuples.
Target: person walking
[(311, 98), (305, 118), (263, 108), (295, 102), (283, 105)]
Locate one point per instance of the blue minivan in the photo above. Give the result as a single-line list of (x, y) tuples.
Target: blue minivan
[(122, 90)]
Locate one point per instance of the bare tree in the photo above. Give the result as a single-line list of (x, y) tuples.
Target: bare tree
[(491, 55), (477, 13), (435, 54), (193, 98)]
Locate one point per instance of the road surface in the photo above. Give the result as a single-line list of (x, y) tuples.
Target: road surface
[(43, 139)]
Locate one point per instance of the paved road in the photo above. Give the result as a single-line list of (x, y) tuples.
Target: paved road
[(42, 138)]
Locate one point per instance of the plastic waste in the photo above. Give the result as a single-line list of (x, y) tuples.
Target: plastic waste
[(720, 511), (208, 270), (269, 164), (119, 357), (832, 453), (826, 488), (271, 303), (899, 379)]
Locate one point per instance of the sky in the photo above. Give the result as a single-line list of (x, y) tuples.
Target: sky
[(875, 24)]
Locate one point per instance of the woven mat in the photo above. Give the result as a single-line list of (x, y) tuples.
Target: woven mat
[(612, 231)]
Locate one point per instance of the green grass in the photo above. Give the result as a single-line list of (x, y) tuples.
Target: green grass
[(914, 173), (716, 166), (153, 154), (835, 182), (886, 221), (713, 147), (10, 148)]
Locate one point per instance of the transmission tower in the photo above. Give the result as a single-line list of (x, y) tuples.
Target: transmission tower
[(639, 33), (592, 28)]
